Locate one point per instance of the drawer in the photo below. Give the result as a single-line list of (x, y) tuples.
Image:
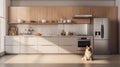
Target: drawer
[(28, 49), (48, 49), (12, 49), (12, 41)]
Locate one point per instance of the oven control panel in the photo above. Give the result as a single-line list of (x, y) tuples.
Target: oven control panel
[(84, 38)]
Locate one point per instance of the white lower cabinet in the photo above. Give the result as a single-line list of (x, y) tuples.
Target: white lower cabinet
[(28, 41), (32, 44), (12, 40), (28, 44), (42, 41), (67, 45), (12, 49), (48, 44), (68, 41), (67, 49), (12, 44), (48, 49), (28, 49)]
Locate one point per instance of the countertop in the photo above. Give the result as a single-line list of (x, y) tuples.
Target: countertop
[(50, 36)]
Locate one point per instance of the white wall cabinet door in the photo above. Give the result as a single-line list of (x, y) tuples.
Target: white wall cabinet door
[(12, 40), (29, 49), (12, 49)]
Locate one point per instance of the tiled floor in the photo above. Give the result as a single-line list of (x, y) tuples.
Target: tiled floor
[(58, 61)]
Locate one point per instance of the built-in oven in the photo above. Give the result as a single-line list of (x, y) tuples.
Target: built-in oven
[(83, 42)]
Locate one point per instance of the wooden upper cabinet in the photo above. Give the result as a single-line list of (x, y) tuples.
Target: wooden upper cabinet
[(55, 13), (81, 10), (40, 13), (48, 13), (16, 13), (113, 13), (12, 15), (24, 13), (100, 12)]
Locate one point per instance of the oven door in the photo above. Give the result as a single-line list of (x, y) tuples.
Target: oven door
[(83, 43)]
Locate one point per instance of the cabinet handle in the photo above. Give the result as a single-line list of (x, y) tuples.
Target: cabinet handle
[(46, 45), (102, 31), (67, 45)]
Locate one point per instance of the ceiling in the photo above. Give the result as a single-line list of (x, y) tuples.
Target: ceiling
[(75, 0)]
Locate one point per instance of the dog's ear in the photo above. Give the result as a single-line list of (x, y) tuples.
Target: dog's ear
[(90, 46)]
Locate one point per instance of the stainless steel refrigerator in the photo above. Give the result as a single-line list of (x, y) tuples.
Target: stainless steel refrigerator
[(101, 28)]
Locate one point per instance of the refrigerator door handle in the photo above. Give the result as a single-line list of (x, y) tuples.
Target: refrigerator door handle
[(102, 31)]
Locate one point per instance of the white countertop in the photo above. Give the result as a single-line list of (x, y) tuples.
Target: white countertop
[(49, 36)]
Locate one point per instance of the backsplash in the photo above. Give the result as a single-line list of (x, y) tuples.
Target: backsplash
[(54, 29)]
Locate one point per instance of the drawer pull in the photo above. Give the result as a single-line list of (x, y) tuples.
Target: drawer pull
[(46, 45), (67, 45)]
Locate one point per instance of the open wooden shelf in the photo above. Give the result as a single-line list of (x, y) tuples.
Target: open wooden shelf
[(40, 23)]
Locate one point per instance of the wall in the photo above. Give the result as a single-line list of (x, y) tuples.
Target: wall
[(118, 4), (1, 20), (63, 2), (3, 13)]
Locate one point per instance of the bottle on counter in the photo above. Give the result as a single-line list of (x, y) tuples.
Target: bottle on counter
[(67, 33), (63, 33)]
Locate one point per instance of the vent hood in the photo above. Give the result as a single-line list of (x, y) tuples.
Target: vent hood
[(83, 16)]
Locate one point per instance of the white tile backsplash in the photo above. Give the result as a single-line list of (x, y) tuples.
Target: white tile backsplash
[(54, 29)]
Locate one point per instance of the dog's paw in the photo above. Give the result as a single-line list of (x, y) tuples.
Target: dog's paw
[(82, 58), (91, 59)]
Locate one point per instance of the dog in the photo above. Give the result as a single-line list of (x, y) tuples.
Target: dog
[(88, 54)]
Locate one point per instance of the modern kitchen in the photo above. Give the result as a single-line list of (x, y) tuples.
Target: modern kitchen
[(53, 33)]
